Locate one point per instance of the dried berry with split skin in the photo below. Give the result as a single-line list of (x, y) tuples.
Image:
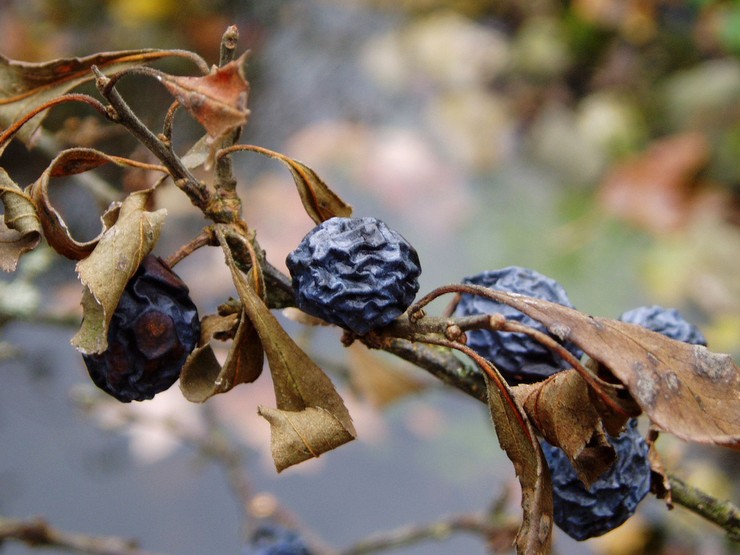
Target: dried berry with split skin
[(583, 512), (519, 357), (273, 539), (152, 332), (668, 321), (356, 273)]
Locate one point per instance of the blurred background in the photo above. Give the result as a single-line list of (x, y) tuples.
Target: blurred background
[(595, 141)]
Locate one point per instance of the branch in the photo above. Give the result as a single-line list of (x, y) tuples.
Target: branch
[(449, 369), (723, 513), (121, 113), (38, 533)]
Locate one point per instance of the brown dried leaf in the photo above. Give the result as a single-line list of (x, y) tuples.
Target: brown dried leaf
[(319, 201), (685, 389), (378, 381), (70, 162), (305, 395), (560, 408), (301, 435), (517, 438), (25, 86), (111, 264), (217, 100), (21, 230), (202, 376)]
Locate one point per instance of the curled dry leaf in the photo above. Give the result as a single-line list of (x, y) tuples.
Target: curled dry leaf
[(69, 162), (685, 389), (560, 408), (310, 418), (301, 435), (517, 438), (111, 264), (202, 376), (21, 230), (26, 86), (217, 100), (319, 201)]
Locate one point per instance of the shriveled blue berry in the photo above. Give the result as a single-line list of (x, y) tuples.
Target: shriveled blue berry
[(518, 357), (273, 539), (152, 332), (583, 512), (668, 321), (356, 273)]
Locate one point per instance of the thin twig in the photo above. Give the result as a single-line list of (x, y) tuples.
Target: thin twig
[(204, 238), (225, 184)]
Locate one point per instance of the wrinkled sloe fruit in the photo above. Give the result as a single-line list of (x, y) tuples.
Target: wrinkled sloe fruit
[(584, 513), (356, 273), (152, 332), (519, 357), (668, 321), (273, 539)]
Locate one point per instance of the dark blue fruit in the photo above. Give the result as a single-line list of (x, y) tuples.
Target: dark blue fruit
[(356, 273), (668, 321), (273, 539), (152, 332), (584, 513), (518, 357)]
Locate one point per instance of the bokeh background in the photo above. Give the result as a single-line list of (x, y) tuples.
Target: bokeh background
[(596, 141)]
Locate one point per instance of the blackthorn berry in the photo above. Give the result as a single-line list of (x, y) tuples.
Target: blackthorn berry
[(668, 321), (583, 512), (518, 357), (273, 539), (356, 273), (152, 332)]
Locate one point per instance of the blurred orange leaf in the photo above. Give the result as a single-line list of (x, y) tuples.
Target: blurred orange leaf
[(655, 189)]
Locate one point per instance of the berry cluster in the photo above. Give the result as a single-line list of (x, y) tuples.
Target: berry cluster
[(584, 513), (152, 332), (518, 357), (356, 273), (273, 539)]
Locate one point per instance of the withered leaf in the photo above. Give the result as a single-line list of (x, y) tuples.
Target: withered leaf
[(301, 435), (685, 389), (560, 409), (25, 86), (319, 201), (517, 438), (21, 230), (299, 385), (111, 264), (217, 100), (69, 162), (202, 376)]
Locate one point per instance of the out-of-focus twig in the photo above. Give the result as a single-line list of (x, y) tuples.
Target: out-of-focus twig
[(38, 533), (499, 537)]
